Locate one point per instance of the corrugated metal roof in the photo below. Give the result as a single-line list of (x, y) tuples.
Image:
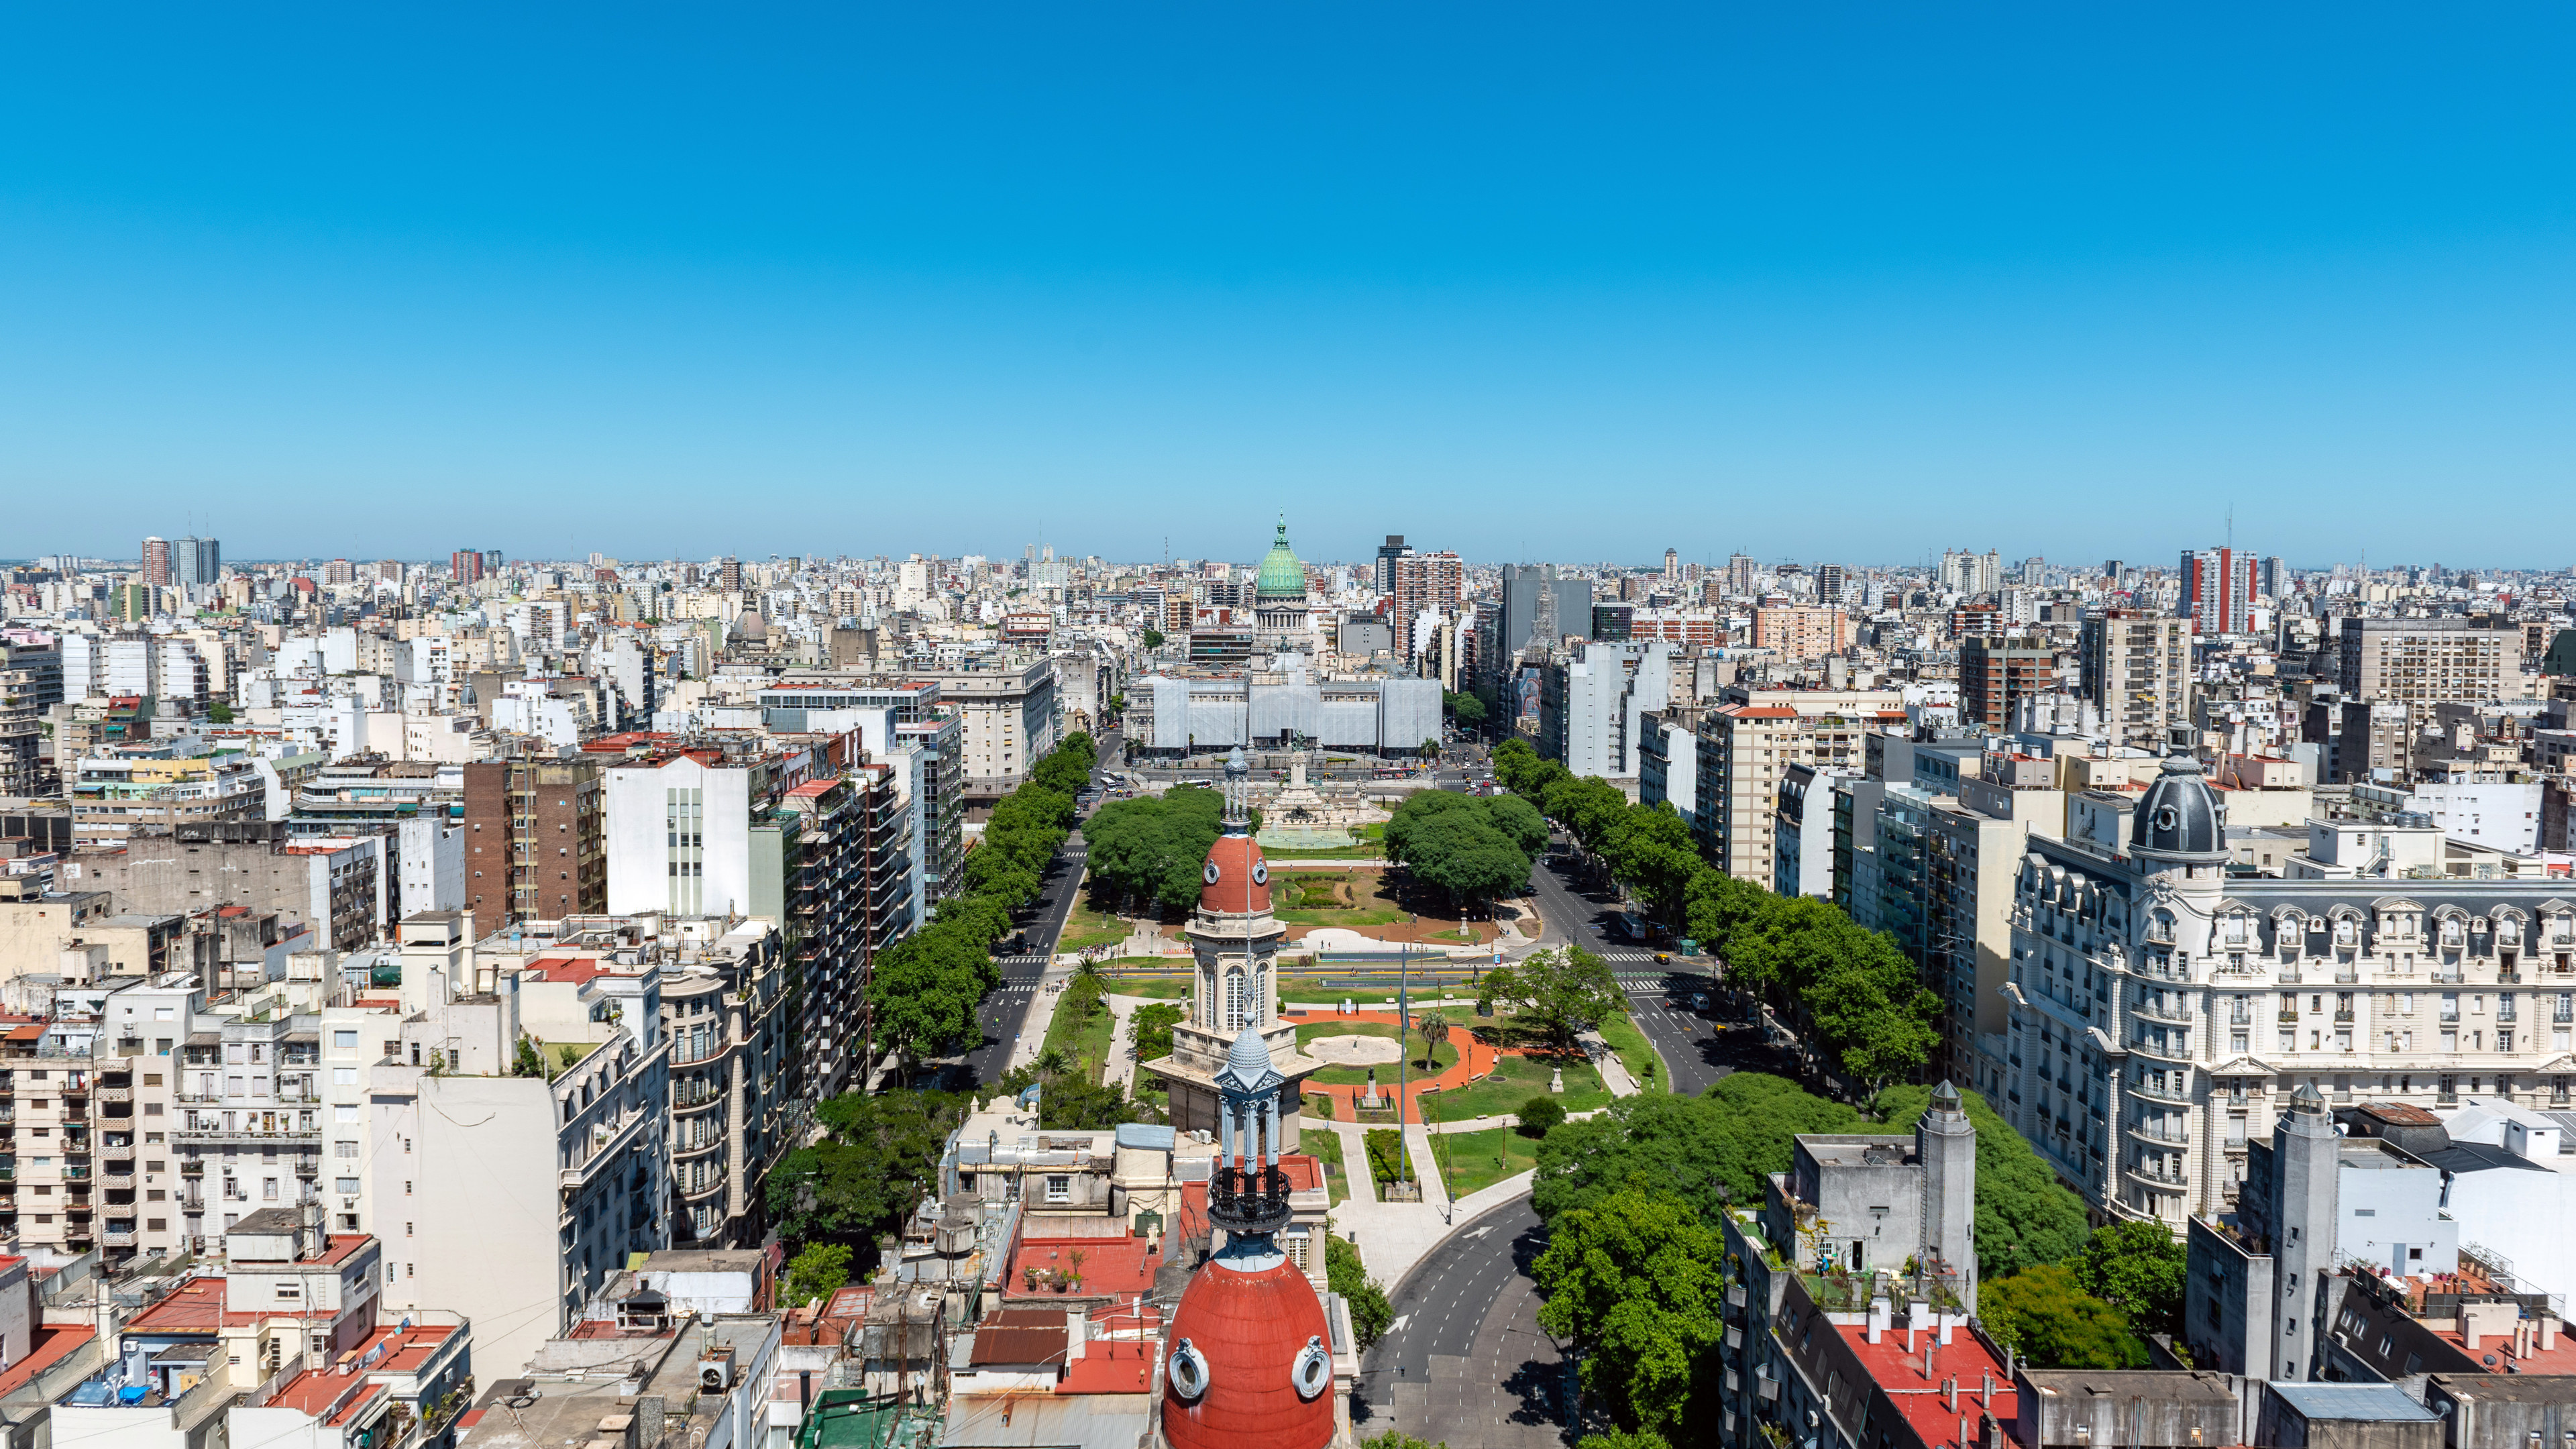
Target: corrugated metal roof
[(2385, 1402), (1091, 1421)]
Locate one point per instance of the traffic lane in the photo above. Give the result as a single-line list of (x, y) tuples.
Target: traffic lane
[(1442, 1302)]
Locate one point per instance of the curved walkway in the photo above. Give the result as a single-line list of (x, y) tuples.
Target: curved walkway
[(1475, 1059)]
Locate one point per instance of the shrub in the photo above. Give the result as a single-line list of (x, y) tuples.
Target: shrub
[(1386, 1155), (1538, 1114)]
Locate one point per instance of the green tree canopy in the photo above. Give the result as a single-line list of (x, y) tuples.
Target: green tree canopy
[(1151, 848), (2025, 1216), (1707, 1150), (817, 1273), (2041, 1314), (1466, 709), (1652, 853), (1345, 1274), (877, 1156), (2138, 1268), (1637, 1281), (1560, 993)]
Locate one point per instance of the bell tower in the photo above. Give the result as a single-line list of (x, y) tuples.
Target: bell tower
[(1234, 941)]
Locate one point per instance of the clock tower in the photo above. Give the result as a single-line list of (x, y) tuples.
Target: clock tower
[(1235, 941)]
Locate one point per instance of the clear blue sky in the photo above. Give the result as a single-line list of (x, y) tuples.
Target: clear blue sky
[(1569, 282)]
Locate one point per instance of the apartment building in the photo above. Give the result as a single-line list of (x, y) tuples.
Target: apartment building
[(2135, 668), (2221, 993), (1996, 672), (31, 682), (113, 796), (1008, 715), (533, 839), (1423, 582), (1592, 705), (1745, 746), (1801, 632), (2422, 662)]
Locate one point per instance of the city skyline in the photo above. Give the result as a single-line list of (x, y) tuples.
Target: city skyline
[(1798, 284)]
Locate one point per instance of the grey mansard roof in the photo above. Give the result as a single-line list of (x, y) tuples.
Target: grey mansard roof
[(2180, 819)]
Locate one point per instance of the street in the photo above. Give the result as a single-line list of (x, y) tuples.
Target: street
[(1465, 1360), (1002, 1013)]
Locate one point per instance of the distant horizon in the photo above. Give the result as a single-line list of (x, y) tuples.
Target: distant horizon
[(1814, 282)]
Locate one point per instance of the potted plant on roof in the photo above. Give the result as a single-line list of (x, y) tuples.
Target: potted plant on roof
[(1029, 1275)]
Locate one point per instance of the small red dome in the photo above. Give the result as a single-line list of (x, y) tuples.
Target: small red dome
[(1250, 1329), (1236, 880)]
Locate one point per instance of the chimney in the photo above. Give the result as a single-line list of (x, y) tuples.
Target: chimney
[(2548, 1332), (1950, 1394), (1877, 1320), (308, 1229), (1986, 1391)]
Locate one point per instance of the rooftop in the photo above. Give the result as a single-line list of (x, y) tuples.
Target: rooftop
[(1916, 1394)]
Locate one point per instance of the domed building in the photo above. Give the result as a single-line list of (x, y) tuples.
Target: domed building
[(1248, 1354), (1236, 940), (1279, 598)]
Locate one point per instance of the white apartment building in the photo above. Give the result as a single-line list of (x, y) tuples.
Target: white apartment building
[(1745, 746), (1591, 706), (678, 836), (1009, 717), (2162, 1010)]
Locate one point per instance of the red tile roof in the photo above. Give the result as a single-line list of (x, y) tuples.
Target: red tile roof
[(1899, 1374), (48, 1345)]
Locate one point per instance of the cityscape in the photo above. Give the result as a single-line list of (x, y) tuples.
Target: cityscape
[(849, 729)]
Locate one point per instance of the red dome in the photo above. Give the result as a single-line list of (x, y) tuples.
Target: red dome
[(1250, 1328), (1236, 880)]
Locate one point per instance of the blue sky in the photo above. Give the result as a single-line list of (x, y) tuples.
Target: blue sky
[(1816, 281)]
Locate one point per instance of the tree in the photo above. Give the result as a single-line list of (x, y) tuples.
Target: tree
[(1430, 749), (1153, 1027), (1152, 848), (2041, 1314), (1538, 1115), (1434, 1027), (876, 1158), (817, 1273), (1466, 709), (1637, 1283), (1561, 994), (1708, 1150), (1345, 1274), (1398, 1439), (219, 713), (2024, 1216), (1715, 903), (1625, 1439), (1652, 852), (1153, 638), (2137, 1267), (1462, 855), (1074, 1103)]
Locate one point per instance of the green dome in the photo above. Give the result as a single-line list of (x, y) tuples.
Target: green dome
[(1282, 576)]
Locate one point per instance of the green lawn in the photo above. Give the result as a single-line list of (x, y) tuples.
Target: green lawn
[(1637, 1054), (1325, 1146), (1086, 927), (1302, 990), (1515, 1080), (1082, 1035), (1471, 1160)]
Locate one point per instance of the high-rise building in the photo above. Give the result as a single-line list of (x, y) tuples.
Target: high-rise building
[(2218, 590), (1387, 555), (491, 563), (534, 846), (1829, 583), (1672, 565), (466, 567), (1424, 581), (1747, 743), (1995, 671), (339, 571), (1802, 632), (1739, 574), (156, 561), (1591, 706), (1540, 608), (2276, 577), (195, 562), (729, 575), (2136, 668)]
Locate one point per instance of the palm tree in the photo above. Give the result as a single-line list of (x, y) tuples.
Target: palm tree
[(1053, 1062), (1435, 1030)]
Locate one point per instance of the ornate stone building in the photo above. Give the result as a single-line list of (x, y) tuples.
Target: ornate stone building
[(2165, 1006)]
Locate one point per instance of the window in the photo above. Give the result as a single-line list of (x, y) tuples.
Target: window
[(349, 1186), (288, 1288), (346, 1041), (344, 1076), (1059, 1188)]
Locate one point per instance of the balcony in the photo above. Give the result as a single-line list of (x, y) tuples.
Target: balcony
[(192, 1167), (2174, 1138), (115, 1094), (572, 1179), (2165, 1015), (2155, 1184), (116, 1238)]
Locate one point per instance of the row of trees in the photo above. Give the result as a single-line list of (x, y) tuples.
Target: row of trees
[(1852, 992), (924, 989), (1635, 1270)]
